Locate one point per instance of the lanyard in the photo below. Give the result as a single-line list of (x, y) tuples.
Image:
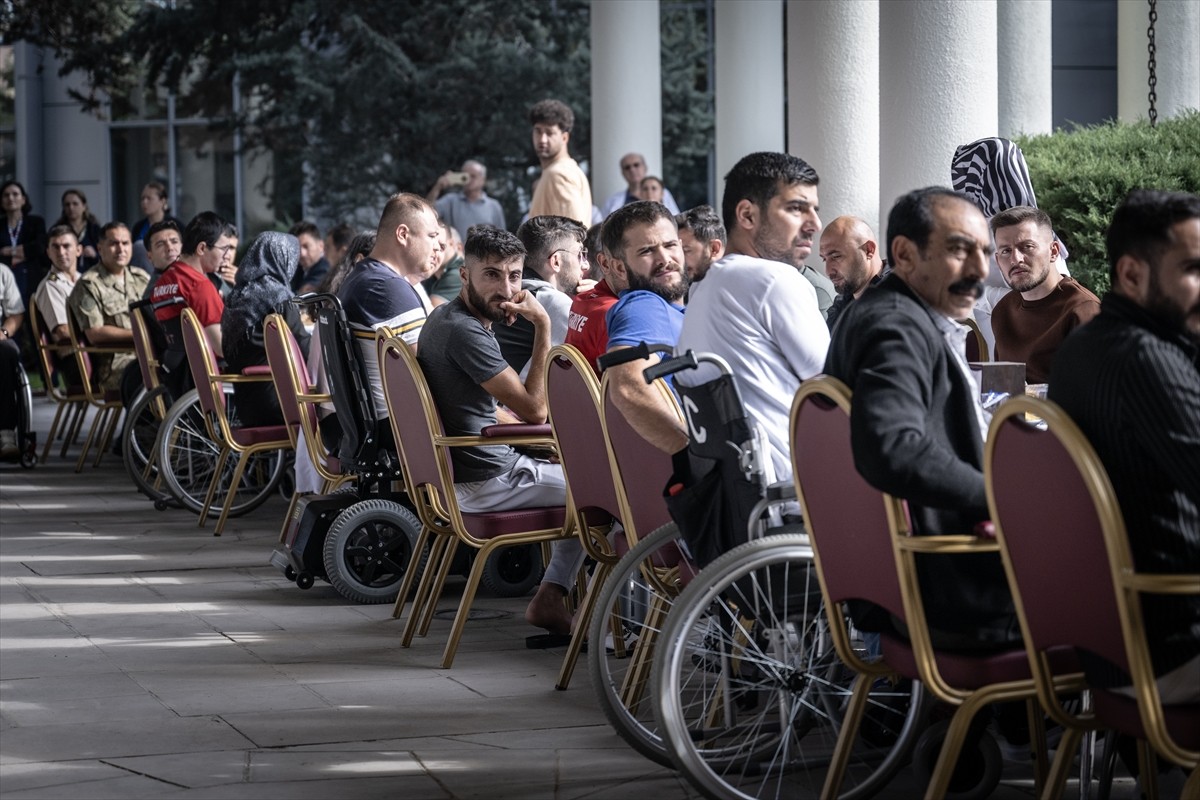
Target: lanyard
[(15, 233)]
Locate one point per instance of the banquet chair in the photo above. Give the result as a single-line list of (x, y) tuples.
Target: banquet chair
[(107, 402), (1071, 527), (70, 402)]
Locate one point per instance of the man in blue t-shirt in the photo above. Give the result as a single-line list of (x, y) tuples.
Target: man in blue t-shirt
[(642, 241)]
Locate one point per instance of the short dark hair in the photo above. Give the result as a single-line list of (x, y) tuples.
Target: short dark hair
[(552, 112), (757, 178), (61, 230), (1141, 225), (167, 224), (912, 215), (1018, 214), (111, 226), (594, 245), (27, 207), (541, 236), (341, 234), (643, 212), (489, 243), (703, 222), (230, 230), (304, 226), (160, 189), (207, 227)]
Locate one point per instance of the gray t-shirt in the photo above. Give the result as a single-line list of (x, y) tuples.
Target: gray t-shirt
[(457, 354)]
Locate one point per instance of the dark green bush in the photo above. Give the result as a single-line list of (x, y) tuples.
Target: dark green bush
[(1081, 175)]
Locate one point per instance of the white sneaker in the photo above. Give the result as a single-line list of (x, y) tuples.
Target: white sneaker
[(8, 444)]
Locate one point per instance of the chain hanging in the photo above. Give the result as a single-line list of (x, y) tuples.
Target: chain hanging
[(1152, 64)]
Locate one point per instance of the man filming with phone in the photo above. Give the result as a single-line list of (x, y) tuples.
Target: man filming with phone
[(461, 201)]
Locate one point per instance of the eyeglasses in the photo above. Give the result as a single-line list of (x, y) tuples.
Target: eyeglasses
[(583, 253), (223, 249)]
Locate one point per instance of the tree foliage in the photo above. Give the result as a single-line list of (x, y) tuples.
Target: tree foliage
[(357, 98), (687, 110), (1082, 175)]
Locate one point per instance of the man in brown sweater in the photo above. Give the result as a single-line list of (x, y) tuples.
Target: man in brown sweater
[(1031, 321)]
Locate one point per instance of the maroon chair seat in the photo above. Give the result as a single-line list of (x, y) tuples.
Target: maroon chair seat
[(1122, 713), (261, 434)]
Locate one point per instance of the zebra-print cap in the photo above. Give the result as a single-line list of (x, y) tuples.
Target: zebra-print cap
[(993, 171)]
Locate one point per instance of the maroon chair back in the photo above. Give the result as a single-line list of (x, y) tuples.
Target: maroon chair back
[(642, 469), (414, 428), (202, 364), (573, 395), (845, 516), (1048, 521), (287, 367)]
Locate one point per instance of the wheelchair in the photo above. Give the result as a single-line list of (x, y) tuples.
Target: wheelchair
[(26, 454), (731, 674)]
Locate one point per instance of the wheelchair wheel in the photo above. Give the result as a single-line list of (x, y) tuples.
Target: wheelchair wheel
[(368, 549), (628, 617), (187, 457), (140, 441), (513, 571), (750, 693)]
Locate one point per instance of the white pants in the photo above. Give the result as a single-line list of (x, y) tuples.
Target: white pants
[(529, 484), (1180, 685)]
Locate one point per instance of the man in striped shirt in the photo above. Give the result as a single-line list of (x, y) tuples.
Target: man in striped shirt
[(1130, 378)]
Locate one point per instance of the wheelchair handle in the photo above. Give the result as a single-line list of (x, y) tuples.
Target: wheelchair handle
[(688, 360), (313, 298), (623, 356), (171, 301)]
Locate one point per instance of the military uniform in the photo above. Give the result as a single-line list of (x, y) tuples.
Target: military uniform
[(102, 298)]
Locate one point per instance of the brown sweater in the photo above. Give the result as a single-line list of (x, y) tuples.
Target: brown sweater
[(1031, 330)]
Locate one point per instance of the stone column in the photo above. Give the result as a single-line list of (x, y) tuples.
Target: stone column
[(833, 102), (1177, 57), (937, 89), (626, 91), (749, 93), (1025, 65)]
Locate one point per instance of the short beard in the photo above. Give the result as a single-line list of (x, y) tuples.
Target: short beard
[(496, 315), (671, 295), (1159, 306), (1032, 283)]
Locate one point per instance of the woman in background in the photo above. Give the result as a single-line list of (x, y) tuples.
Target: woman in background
[(87, 228), (23, 247)]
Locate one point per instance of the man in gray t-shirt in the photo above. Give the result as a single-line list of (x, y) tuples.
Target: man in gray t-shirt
[(468, 377)]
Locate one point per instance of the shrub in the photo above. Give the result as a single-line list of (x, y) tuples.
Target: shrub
[(1081, 175)]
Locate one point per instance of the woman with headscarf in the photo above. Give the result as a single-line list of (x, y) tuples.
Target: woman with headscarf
[(994, 173), (263, 288)]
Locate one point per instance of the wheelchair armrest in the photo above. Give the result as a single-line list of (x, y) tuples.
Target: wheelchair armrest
[(257, 369), (782, 490), (509, 429)]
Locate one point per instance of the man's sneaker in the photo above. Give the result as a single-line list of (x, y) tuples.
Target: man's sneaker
[(8, 444)]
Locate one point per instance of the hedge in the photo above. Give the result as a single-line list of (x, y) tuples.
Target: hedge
[(1081, 175)]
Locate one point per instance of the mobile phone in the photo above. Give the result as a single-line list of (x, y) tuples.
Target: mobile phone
[(459, 178)]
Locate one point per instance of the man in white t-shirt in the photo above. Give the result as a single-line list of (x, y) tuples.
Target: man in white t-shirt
[(753, 308)]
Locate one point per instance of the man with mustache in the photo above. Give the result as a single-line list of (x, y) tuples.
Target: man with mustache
[(468, 377), (1130, 379), (917, 426), (1031, 321), (644, 253)]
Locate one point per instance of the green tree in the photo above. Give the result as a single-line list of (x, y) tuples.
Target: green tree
[(687, 101)]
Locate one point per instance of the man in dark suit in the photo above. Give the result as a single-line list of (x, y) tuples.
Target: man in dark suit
[(917, 427)]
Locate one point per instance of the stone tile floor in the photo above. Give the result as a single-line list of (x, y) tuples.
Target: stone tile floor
[(142, 657)]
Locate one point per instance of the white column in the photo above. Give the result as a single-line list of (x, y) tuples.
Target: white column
[(937, 89), (833, 101), (626, 91), (1025, 65), (1177, 58), (749, 94)]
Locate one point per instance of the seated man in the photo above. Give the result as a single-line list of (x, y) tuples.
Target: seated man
[(100, 302), (164, 243), (468, 377), (917, 426), (554, 258), (587, 328), (852, 262), (754, 310), (203, 251), (1129, 379), (445, 283), (380, 289), (1031, 321), (313, 264), (12, 315), (642, 243), (52, 293), (703, 239)]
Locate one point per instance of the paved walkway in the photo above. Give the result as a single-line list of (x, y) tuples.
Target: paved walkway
[(141, 657)]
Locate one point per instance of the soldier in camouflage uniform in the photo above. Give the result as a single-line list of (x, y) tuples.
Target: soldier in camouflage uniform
[(100, 302)]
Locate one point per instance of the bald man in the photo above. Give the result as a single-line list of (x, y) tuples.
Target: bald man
[(852, 261)]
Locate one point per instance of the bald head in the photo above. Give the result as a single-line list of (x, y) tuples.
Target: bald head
[(851, 254)]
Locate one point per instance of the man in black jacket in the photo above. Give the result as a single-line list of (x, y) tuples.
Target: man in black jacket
[(917, 427), (1130, 379)]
